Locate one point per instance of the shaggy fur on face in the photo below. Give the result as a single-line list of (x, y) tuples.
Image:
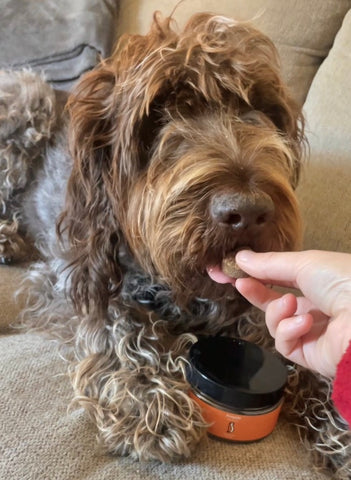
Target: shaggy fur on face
[(160, 128), (182, 148)]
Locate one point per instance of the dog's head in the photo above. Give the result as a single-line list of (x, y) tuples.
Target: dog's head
[(186, 146)]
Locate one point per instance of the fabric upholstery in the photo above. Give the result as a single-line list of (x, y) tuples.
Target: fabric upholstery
[(62, 39), (325, 192), (40, 439), (303, 30), (9, 306)]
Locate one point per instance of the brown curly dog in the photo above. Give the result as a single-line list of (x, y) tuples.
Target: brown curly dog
[(182, 148)]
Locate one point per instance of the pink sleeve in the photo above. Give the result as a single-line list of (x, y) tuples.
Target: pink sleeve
[(342, 386)]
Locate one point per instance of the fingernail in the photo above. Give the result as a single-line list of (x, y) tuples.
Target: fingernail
[(299, 319), (244, 256), (283, 301)]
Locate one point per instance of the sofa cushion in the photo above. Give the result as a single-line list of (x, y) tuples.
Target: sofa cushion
[(62, 39), (325, 192), (303, 31), (10, 278), (41, 440)]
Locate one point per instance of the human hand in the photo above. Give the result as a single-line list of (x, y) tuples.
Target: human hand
[(313, 330)]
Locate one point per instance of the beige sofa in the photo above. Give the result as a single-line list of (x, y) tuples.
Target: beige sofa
[(39, 438)]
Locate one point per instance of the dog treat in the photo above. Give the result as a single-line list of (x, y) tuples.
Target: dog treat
[(231, 268)]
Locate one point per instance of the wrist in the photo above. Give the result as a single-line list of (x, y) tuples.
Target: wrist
[(346, 325), (336, 339), (342, 334), (341, 385)]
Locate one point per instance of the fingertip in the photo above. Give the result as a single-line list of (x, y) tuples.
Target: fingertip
[(242, 283), (244, 256), (304, 322), (299, 321), (295, 327), (277, 267), (256, 292), (247, 286), (289, 332), (289, 302)]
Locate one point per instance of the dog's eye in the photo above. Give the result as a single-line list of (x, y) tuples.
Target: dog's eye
[(254, 117)]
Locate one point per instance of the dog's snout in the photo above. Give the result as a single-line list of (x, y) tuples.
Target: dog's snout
[(242, 211)]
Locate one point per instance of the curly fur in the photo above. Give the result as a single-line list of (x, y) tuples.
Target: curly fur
[(26, 119), (155, 132)]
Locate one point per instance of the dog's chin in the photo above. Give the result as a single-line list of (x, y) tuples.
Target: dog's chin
[(206, 288)]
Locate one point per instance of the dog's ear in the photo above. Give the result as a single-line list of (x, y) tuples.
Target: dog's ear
[(89, 224), (108, 140)]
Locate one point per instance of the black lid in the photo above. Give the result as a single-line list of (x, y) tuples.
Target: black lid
[(236, 373)]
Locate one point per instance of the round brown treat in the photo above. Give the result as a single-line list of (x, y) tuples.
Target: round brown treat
[(231, 268)]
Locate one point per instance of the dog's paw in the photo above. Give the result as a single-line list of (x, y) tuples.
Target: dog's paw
[(141, 413), (13, 247)]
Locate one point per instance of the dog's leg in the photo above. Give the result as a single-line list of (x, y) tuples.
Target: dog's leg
[(135, 392), (27, 116)]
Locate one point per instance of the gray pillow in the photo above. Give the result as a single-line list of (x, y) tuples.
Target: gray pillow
[(62, 38)]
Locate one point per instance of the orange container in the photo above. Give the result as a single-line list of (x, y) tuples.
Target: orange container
[(238, 385)]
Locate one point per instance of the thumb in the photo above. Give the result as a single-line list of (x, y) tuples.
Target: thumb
[(279, 268)]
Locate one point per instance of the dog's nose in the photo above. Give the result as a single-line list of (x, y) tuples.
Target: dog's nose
[(242, 211)]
